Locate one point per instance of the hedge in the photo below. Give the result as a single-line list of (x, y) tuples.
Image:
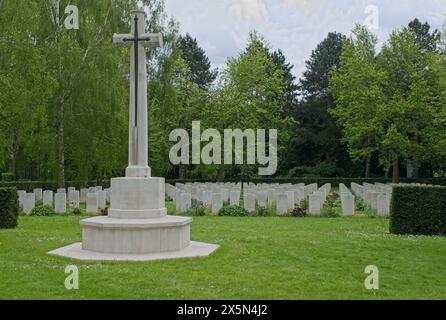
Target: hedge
[(29, 186), (418, 210), (319, 181), (9, 208)]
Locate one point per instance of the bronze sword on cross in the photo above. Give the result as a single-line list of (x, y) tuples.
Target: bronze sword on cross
[(138, 40)]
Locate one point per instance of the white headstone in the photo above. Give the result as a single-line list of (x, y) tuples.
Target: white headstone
[(29, 203), (48, 198), (83, 195), (315, 203), (290, 197), (71, 189), (21, 194), (38, 193), (234, 198), (207, 198), (348, 204), (92, 202), (262, 198), (61, 190), (383, 204), (217, 202), (73, 198), (102, 199), (60, 202), (282, 204), (249, 202)]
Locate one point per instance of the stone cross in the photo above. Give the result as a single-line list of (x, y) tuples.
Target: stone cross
[(138, 40)]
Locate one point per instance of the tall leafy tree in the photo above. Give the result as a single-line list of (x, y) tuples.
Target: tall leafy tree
[(412, 92), (357, 86)]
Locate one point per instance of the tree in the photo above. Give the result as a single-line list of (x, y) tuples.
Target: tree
[(249, 96), (426, 40), (200, 72), (357, 87), (411, 89), (316, 137)]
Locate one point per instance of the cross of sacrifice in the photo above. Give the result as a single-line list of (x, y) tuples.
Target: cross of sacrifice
[(138, 40)]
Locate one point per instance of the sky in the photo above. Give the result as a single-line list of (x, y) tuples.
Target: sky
[(295, 26)]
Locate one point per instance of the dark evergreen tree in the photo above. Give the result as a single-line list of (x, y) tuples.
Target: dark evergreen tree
[(424, 38), (200, 71), (316, 144)]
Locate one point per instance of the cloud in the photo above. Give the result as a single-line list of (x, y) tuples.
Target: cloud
[(295, 26), (249, 9)]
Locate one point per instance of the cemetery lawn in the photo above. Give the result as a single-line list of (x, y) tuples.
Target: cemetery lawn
[(259, 258)]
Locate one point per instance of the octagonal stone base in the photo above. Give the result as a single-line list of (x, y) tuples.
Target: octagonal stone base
[(135, 236), (75, 251)]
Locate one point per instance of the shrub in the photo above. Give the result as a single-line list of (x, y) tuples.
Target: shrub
[(269, 210), (9, 208), (332, 207), (305, 204), (418, 210), (42, 211), (77, 211), (233, 211), (8, 176), (199, 211), (299, 213)]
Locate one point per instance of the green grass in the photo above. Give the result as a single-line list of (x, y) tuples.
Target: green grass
[(259, 258)]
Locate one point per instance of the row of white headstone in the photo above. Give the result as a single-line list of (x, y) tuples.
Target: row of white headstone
[(377, 195), (347, 200), (94, 197), (318, 198), (284, 197)]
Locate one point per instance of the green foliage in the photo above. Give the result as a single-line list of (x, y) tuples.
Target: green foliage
[(362, 207), (387, 104), (305, 204), (9, 208), (332, 208), (42, 211), (77, 211), (8, 176), (233, 211), (196, 212), (268, 211), (419, 210), (316, 137), (199, 71)]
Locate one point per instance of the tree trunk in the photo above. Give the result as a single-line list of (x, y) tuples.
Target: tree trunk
[(396, 168), (221, 173), (61, 111), (61, 155), (416, 172), (368, 165), (182, 172)]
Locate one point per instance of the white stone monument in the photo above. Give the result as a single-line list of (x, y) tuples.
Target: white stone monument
[(83, 195), (92, 202), (48, 198), (39, 194), (29, 203), (60, 202), (73, 198), (137, 227), (282, 204)]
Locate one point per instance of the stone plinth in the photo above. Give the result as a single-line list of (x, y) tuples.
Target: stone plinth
[(137, 198), (135, 236)]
